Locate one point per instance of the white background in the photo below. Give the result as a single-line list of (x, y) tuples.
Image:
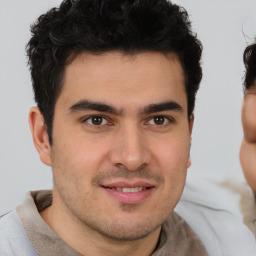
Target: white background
[(217, 131)]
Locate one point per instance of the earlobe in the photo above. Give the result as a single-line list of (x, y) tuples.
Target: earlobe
[(39, 135)]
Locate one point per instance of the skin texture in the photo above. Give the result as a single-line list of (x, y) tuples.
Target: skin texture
[(248, 147), (127, 145)]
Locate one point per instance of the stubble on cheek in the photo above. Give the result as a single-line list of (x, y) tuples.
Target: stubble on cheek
[(68, 187)]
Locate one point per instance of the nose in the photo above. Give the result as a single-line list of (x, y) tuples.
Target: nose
[(130, 149)]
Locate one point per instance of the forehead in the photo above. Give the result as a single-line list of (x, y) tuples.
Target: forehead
[(101, 65), (118, 77)]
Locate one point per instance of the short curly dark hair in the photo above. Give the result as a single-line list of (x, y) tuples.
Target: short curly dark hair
[(98, 26), (250, 65)]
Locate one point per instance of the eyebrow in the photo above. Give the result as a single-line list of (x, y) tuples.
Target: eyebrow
[(169, 105), (84, 105)]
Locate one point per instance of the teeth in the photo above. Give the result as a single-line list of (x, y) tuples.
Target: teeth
[(130, 190)]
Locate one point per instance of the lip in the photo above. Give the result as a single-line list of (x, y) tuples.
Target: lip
[(126, 184), (129, 197)]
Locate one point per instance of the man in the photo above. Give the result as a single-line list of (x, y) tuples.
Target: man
[(248, 147), (115, 85)]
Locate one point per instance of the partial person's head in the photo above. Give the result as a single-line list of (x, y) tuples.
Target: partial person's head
[(115, 84), (97, 27), (250, 66), (248, 147)]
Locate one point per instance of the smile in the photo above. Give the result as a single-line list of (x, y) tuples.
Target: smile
[(129, 194), (130, 190)]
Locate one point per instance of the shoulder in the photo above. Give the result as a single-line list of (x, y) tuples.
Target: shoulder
[(179, 228), (13, 239), (213, 212), (177, 238)]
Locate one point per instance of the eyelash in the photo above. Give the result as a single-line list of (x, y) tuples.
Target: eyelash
[(168, 120), (106, 121)]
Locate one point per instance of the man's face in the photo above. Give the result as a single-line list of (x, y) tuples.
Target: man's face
[(121, 141)]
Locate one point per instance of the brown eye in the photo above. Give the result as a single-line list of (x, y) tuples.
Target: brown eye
[(159, 120), (96, 120)]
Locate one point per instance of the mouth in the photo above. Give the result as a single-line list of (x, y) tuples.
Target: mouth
[(129, 190), (129, 193)]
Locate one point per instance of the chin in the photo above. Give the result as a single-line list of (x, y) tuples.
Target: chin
[(127, 233), (126, 229)]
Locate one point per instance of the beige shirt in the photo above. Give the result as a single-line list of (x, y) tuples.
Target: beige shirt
[(176, 238)]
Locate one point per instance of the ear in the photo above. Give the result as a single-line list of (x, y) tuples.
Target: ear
[(39, 135), (190, 125)]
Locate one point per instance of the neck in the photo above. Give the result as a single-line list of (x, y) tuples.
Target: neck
[(86, 241)]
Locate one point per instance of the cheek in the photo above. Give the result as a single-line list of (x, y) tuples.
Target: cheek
[(174, 152), (172, 161), (91, 154), (78, 157)]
